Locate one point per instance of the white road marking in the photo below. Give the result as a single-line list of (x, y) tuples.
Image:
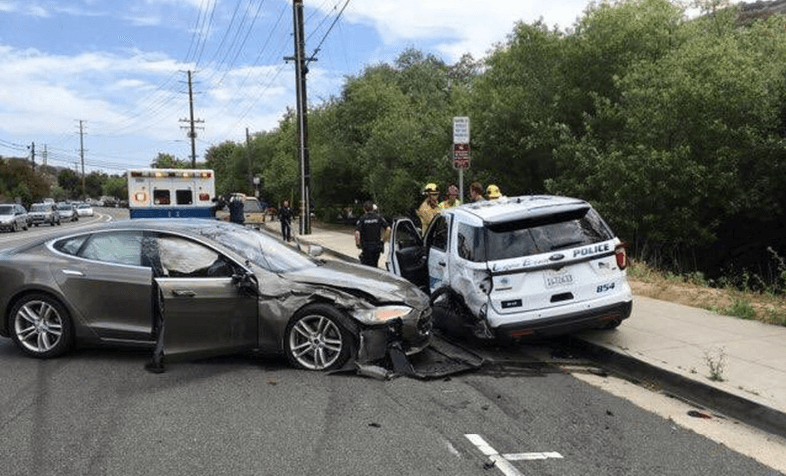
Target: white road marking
[(531, 456), (503, 461)]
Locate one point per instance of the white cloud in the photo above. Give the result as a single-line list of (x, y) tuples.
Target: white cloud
[(465, 26)]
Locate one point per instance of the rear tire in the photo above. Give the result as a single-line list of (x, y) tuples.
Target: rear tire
[(315, 339), (41, 327)]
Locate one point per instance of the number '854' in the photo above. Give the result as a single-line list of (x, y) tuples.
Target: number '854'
[(605, 287)]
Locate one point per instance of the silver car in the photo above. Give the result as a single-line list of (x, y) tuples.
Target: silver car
[(41, 213), (195, 287), (13, 217), (67, 212)]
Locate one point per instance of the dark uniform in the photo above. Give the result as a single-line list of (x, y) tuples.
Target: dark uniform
[(371, 226), (236, 211), (285, 217)]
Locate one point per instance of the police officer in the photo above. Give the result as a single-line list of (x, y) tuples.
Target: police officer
[(369, 235), (236, 210)]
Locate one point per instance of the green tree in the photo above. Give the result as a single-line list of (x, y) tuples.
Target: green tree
[(169, 161), (69, 181)]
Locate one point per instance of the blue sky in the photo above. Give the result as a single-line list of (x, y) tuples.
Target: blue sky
[(120, 66)]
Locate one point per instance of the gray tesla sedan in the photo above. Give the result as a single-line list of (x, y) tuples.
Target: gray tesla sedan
[(195, 288)]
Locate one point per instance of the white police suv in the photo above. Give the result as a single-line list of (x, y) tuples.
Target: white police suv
[(517, 267)]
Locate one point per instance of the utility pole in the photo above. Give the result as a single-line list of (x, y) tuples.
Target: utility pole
[(82, 155), (32, 154), (248, 151), (191, 129), (44, 156), (302, 110)]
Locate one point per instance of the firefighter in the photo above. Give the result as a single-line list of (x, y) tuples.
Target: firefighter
[(430, 206)]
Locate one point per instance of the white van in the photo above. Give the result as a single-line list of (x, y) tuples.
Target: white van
[(517, 267)]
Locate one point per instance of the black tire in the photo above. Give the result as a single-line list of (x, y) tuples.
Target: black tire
[(40, 326), (450, 314), (315, 339)]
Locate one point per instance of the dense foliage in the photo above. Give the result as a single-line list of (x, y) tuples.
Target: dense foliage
[(674, 129)]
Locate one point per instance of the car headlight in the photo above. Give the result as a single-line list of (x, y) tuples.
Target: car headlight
[(379, 315)]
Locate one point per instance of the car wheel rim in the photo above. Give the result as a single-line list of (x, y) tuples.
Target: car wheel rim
[(38, 326), (315, 342)]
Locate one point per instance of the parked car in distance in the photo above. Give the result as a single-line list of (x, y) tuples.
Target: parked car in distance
[(41, 213), (67, 212), (217, 287), (84, 210), (517, 267), (253, 211), (13, 217)]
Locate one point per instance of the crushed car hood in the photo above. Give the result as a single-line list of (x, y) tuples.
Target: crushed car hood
[(382, 286)]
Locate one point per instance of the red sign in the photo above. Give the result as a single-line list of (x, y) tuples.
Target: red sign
[(461, 156)]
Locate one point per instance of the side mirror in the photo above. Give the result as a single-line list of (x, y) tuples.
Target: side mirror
[(315, 250), (246, 283)]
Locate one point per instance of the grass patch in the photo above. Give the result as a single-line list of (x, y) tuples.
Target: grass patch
[(695, 291)]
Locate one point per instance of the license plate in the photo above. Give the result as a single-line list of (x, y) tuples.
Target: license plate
[(556, 279)]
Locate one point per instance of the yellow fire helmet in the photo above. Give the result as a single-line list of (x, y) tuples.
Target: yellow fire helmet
[(430, 188), (492, 191)]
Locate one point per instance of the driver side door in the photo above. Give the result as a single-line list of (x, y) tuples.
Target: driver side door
[(204, 311)]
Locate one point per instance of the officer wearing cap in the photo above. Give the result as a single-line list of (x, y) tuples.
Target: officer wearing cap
[(369, 235), (430, 206)]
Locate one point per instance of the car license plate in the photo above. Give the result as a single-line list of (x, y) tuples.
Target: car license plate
[(556, 279)]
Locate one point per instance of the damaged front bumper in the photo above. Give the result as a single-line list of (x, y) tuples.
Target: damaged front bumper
[(412, 337)]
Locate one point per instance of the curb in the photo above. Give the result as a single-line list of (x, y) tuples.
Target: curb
[(760, 416)]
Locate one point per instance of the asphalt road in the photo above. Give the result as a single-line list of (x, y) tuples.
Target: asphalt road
[(97, 412)]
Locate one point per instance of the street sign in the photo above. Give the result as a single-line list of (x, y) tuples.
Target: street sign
[(461, 130), (461, 156)]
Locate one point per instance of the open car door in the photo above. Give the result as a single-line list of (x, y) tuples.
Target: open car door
[(407, 256), (204, 317)]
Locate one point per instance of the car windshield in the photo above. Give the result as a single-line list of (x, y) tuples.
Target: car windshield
[(532, 236), (38, 207), (252, 206), (64, 207), (83, 206), (6, 210), (260, 249)]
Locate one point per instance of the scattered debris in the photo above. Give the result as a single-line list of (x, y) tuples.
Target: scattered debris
[(698, 414)]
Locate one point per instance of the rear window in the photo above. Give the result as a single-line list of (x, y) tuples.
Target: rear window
[(6, 210), (184, 197), (532, 236)]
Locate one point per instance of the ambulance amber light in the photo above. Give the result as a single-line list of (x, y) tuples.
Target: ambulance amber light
[(205, 174)]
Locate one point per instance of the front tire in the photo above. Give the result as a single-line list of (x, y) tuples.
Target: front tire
[(315, 339), (41, 326)]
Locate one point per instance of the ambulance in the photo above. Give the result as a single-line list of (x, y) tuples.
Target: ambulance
[(171, 193)]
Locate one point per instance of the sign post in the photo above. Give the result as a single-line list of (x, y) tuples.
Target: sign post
[(461, 150)]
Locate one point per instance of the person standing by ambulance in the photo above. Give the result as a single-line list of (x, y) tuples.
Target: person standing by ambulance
[(370, 232)]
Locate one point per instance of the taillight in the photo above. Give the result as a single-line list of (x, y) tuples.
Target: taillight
[(622, 256), (204, 197)]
